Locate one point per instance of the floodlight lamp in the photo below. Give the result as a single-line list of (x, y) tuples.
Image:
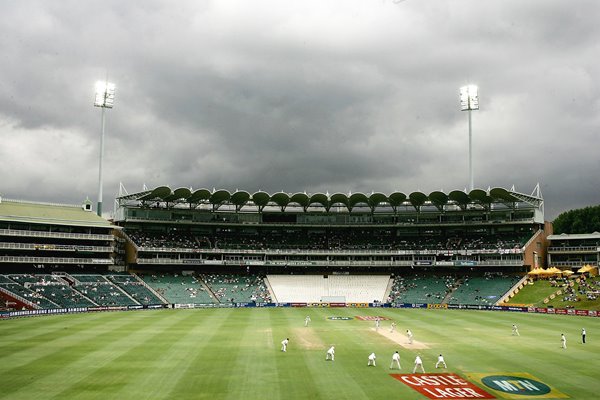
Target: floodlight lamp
[(105, 94), (469, 98)]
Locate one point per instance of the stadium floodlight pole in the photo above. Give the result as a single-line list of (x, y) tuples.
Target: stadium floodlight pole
[(105, 98), (469, 101)]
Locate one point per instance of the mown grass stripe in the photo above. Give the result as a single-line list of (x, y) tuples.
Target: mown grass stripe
[(255, 374), (99, 345), (44, 346), (127, 355), (214, 354)]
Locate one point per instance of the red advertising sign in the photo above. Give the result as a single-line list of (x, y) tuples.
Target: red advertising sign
[(443, 386)]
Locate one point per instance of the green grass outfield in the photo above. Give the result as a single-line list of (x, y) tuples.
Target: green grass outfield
[(235, 353)]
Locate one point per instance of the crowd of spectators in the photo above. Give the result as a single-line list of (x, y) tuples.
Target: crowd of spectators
[(335, 240), (588, 288), (238, 288), (47, 291), (422, 287), (178, 288)]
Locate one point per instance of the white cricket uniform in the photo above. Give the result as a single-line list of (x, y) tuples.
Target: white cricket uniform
[(395, 359), (284, 344), (392, 327), (306, 320), (440, 361), (515, 331), (330, 354), (563, 341), (372, 358), (418, 362), (409, 335)]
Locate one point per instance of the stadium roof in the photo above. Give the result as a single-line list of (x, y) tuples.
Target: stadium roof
[(44, 213), (260, 199), (575, 236)]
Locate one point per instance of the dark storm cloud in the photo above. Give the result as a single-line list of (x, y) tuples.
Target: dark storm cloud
[(337, 96)]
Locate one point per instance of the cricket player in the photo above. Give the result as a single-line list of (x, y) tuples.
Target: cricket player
[(515, 330), (306, 320), (409, 335), (330, 354), (583, 335), (284, 344), (563, 341), (418, 362), (377, 323), (440, 361), (393, 327), (395, 359), (372, 358)]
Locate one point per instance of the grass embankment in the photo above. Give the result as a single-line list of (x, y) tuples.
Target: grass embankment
[(542, 289)]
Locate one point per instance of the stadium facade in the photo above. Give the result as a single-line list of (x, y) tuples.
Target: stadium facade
[(186, 228), (209, 243)]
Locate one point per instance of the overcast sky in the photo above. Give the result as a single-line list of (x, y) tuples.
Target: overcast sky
[(332, 96)]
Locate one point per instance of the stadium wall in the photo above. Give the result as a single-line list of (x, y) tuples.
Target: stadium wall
[(535, 252)]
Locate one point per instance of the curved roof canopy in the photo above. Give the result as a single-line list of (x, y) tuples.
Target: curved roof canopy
[(261, 199)]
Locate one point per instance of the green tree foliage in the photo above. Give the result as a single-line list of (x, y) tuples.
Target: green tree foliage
[(582, 220)]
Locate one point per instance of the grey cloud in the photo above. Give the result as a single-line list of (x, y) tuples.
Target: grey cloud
[(294, 96)]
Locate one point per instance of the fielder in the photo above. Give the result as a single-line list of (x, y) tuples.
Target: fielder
[(372, 358), (284, 344), (393, 327), (409, 335), (395, 359), (583, 335), (418, 363), (440, 361), (306, 320), (515, 330), (563, 341), (330, 354), (377, 322)]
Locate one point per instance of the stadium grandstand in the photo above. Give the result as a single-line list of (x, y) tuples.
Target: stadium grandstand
[(574, 251), (203, 246)]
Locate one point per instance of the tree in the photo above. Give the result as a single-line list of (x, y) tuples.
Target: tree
[(582, 220)]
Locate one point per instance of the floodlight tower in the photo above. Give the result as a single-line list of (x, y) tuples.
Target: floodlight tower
[(469, 101), (105, 98)]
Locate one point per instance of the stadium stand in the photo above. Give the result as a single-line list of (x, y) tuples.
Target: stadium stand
[(421, 288), (313, 288), (101, 291), (231, 241), (484, 290), (179, 289), (30, 295), (237, 288), (136, 289)]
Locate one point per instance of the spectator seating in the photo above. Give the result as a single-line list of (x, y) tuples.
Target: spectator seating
[(313, 288), (421, 288), (334, 240), (30, 295), (483, 290), (237, 288), (101, 291), (179, 289), (135, 288)]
